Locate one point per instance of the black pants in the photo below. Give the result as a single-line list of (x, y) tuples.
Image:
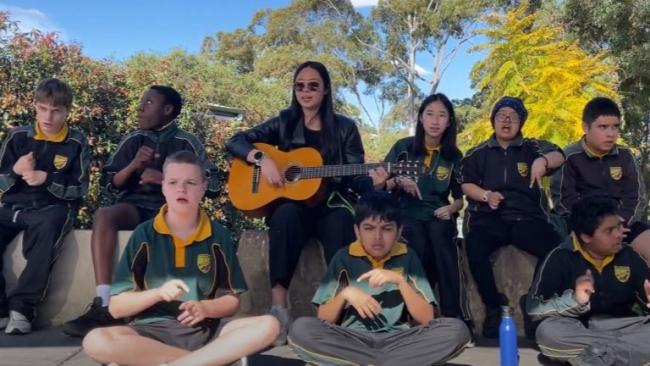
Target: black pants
[(490, 232), (290, 226), (44, 231), (434, 241)]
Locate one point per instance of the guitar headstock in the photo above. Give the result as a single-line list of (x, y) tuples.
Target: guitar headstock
[(407, 168)]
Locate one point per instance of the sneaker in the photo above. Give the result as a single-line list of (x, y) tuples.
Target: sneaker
[(96, 316), (283, 316), (18, 324), (3, 321), (472, 333)]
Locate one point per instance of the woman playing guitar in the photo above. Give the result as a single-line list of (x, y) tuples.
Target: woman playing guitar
[(309, 121)]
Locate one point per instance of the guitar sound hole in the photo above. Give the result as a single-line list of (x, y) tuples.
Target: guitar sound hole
[(292, 174)]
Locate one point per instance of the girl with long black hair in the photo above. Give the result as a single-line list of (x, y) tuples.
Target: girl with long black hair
[(309, 121), (430, 225)]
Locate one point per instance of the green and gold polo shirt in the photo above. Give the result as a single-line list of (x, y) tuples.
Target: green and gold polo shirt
[(351, 262), (436, 185), (206, 262)]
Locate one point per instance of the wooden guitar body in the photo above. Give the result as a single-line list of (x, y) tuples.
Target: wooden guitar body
[(251, 193)]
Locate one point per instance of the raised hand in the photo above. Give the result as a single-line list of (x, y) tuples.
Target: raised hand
[(584, 288), (364, 304), (379, 177), (151, 176), (271, 173), (172, 290), (193, 313), (379, 277), (143, 157), (24, 164), (34, 177), (409, 186)]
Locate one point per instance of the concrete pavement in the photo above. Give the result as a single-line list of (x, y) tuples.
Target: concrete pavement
[(50, 347)]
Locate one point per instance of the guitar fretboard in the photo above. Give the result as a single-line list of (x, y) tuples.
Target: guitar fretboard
[(328, 171)]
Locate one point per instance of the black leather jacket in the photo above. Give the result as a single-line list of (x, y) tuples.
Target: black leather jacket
[(288, 134)]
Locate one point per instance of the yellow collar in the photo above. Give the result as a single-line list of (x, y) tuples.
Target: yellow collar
[(58, 137), (356, 249), (592, 154), (577, 247), (202, 232), (432, 149), (428, 154)]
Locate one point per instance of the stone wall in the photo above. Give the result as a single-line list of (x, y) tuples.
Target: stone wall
[(72, 281)]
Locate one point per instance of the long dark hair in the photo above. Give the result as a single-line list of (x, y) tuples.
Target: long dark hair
[(448, 148), (329, 124)]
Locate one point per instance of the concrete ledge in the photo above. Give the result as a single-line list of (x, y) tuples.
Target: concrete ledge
[(72, 280), (72, 283), (253, 254)]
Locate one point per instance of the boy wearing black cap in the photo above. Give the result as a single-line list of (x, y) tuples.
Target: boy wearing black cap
[(597, 166), (501, 178), (593, 299)]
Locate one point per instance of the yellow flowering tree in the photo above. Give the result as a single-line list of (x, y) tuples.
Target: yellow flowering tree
[(553, 76)]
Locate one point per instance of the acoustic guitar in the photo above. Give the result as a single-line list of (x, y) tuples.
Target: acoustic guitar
[(303, 172)]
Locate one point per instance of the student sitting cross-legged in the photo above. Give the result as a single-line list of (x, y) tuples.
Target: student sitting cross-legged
[(177, 277), (134, 172), (374, 303), (593, 299)]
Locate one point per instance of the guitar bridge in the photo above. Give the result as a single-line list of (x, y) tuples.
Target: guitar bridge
[(257, 172)]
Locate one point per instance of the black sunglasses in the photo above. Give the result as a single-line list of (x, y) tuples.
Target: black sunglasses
[(310, 86)]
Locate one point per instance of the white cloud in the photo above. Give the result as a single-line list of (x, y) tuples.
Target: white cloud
[(29, 19), (363, 3), (421, 70)]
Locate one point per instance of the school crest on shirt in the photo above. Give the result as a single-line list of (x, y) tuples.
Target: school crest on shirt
[(616, 172), (203, 263), (442, 173), (522, 168), (60, 161), (622, 273)]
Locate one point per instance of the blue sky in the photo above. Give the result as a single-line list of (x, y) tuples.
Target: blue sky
[(117, 29)]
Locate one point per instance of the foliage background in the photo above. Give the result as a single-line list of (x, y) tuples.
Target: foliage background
[(556, 55)]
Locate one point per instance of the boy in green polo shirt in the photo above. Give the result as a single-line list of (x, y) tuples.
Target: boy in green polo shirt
[(375, 306), (178, 276)]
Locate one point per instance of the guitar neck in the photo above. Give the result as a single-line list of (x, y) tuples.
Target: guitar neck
[(328, 171)]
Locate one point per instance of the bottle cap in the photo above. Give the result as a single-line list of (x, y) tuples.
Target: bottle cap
[(506, 311)]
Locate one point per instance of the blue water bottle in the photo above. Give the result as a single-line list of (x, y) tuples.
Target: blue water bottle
[(508, 338)]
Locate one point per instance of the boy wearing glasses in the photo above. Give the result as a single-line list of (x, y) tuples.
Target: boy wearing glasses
[(502, 178), (597, 166)]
